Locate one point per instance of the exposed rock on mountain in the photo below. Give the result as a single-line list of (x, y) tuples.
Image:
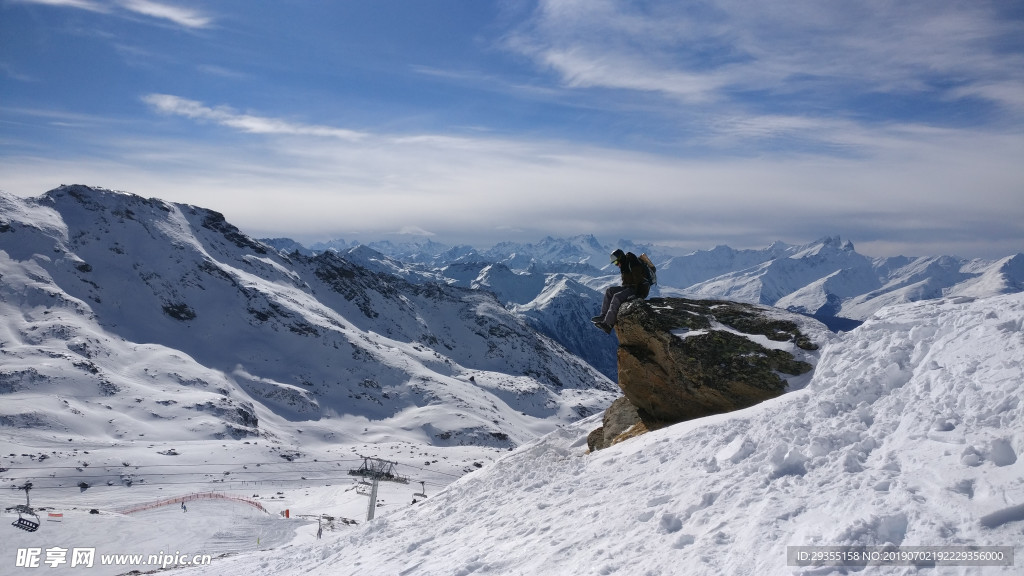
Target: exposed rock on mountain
[(682, 359), (619, 418)]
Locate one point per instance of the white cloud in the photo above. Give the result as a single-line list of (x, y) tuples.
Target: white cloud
[(414, 231), (709, 51), (80, 4), (175, 105), (176, 14), (913, 186), (580, 68), (220, 71)]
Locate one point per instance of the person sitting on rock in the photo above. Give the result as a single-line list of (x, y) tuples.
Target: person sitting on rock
[(635, 284)]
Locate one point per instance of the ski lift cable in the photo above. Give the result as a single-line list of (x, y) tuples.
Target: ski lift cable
[(234, 473), (290, 464), (221, 482), (219, 473), (275, 463), (133, 471)]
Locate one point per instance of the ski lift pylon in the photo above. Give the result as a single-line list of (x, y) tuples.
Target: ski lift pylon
[(378, 469), (22, 522)]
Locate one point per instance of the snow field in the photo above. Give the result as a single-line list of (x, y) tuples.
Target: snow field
[(908, 434)]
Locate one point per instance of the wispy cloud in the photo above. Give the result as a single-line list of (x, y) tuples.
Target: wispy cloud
[(490, 82), (80, 4), (221, 71), (224, 116), (586, 68), (14, 74), (180, 16), (714, 51), (476, 189), (411, 181), (176, 14)]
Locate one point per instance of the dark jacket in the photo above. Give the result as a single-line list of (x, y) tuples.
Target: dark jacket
[(634, 275)]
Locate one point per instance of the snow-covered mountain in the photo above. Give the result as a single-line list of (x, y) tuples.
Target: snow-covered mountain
[(151, 354), (827, 279), (908, 435), (830, 279), (561, 309), (126, 300)]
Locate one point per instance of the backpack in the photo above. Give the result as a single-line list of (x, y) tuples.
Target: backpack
[(649, 269)]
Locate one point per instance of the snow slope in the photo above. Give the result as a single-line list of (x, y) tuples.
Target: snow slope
[(909, 434), (124, 296), (149, 350), (560, 309)]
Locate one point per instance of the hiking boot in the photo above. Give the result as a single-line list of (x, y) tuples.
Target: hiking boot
[(597, 319), (607, 329)]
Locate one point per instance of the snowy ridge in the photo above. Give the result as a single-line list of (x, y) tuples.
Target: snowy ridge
[(557, 311), (908, 434), (827, 279), (115, 302), (150, 350)]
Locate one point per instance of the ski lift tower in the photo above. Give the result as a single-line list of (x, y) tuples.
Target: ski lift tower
[(377, 470), (26, 509)]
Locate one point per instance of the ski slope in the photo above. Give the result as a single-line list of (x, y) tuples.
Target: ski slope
[(909, 434)]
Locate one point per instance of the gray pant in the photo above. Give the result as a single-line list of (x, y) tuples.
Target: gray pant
[(614, 296)]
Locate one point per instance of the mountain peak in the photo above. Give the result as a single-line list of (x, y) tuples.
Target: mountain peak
[(835, 242)]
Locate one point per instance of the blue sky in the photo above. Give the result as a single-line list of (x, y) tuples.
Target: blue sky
[(897, 125)]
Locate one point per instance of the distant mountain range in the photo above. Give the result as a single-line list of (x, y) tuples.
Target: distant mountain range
[(826, 278), (133, 298), (556, 284)]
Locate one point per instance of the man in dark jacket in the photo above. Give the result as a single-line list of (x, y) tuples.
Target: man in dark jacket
[(635, 283)]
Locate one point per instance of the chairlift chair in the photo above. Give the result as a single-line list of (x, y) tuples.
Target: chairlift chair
[(22, 522), (423, 490)]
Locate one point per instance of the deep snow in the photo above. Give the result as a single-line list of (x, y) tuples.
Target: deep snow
[(908, 433)]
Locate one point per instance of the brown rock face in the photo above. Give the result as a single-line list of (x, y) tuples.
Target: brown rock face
[(618, 418), (681, 359)]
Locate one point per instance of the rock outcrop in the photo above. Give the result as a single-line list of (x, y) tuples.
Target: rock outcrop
[(619, 418), (682, 359)]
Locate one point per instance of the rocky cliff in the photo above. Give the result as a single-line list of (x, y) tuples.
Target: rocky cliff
[(680, 359)]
